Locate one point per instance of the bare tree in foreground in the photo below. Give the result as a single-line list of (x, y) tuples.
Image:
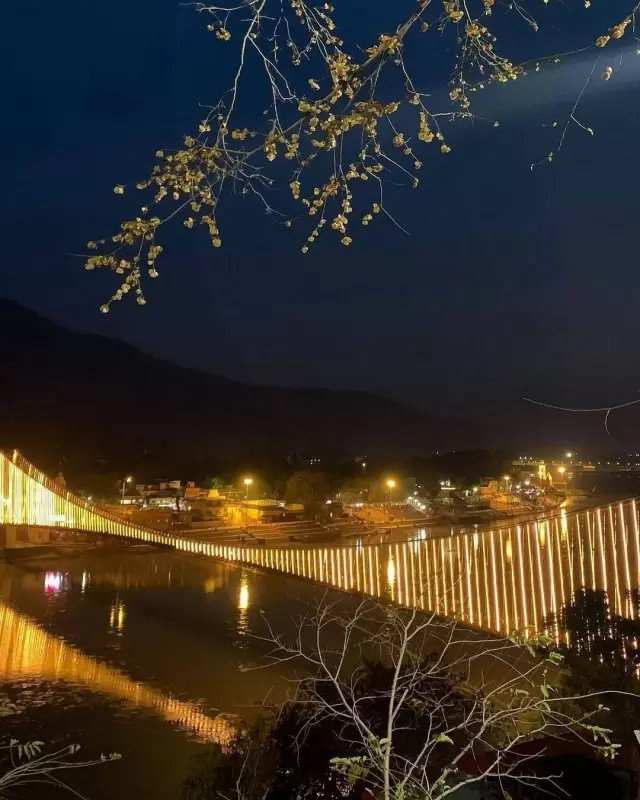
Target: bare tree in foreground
[(410, 707), (341, 118)]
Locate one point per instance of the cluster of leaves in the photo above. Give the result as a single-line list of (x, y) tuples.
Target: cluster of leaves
[(309, 488), (333, 120), (27, 764), (594, 632), (602, 652)]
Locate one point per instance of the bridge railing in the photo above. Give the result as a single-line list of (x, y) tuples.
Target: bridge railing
[(30, 497)]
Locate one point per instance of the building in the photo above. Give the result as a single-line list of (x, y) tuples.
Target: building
[(162, 519), (562, 475), (259, 512), (193, 493), (489, 487)]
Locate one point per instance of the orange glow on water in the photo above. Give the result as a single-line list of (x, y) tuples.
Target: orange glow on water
[(28, 651)]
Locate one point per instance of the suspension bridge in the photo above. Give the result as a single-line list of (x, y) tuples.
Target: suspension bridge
[(501, 580)]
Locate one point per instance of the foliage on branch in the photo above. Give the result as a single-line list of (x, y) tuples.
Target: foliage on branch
[(602, 652), (25, 763), (342, 119)]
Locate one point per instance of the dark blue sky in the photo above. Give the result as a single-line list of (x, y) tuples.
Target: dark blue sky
[(512, 282)]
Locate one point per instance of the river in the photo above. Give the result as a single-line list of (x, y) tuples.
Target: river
[(138, 652)]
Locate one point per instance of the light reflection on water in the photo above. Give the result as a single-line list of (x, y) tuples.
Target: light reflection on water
[(54, 582), (243, 606), (117, 614), (27, 651)]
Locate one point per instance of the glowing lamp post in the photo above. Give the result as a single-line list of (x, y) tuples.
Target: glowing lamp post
[(247, 483), (391, 485), (125, 481)]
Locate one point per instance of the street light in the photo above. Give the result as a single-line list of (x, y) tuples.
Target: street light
[(562, 470), (125, 481), (247, 483), (391, 484)]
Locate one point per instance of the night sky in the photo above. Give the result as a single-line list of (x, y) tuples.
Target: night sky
[(512, 282)]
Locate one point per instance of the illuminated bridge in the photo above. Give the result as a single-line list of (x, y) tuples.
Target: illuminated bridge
[(501, 580)]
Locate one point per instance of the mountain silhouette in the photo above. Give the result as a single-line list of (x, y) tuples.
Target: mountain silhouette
[(78, 400)]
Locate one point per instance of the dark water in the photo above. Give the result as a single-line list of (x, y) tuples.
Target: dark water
[(137, 654)]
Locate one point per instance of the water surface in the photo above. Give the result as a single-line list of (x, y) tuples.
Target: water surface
[(136, 654)]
